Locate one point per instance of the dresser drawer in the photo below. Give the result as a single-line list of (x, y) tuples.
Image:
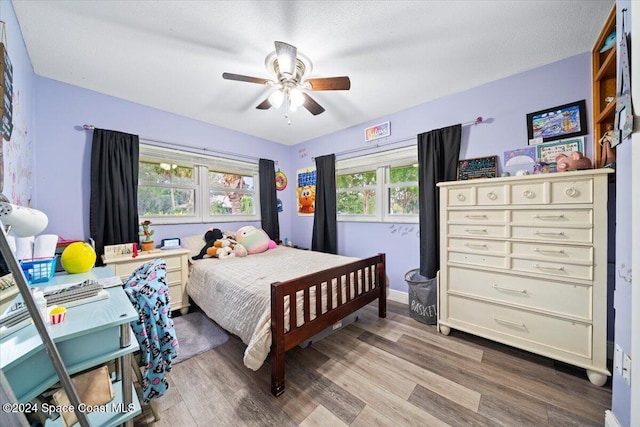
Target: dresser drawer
[(551, 235), (553, 218), (530, 193), (552, 252), (477, 230), (478, 217), (521, 328), (547, 295), (461, 196), (478, 259), (493, 247), (553, 268), (175, 295), (492, 195), (578, 191)]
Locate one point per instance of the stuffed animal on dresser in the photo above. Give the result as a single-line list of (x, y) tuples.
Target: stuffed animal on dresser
[(210, 238)]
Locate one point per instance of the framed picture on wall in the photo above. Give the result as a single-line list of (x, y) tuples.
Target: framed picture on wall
[(561, 122)]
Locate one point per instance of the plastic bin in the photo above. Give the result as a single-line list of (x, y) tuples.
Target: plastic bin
[(423, 297), (38, 270)]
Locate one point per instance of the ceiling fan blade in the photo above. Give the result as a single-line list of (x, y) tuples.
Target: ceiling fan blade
[(286, 58), (264, 105), (330, 83), (311, 105), (241, 78)]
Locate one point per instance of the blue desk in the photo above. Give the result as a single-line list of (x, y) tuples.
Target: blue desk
[(92, 334)]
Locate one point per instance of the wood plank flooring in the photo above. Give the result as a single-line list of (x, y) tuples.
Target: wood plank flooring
[(383, 372)]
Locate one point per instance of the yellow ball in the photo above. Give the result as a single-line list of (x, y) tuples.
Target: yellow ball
[(78, 257)]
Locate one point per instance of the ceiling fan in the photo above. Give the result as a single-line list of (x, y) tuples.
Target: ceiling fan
[(290, 68)]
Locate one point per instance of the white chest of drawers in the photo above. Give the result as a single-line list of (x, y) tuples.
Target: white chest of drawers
[(177, 272), (523, 261)]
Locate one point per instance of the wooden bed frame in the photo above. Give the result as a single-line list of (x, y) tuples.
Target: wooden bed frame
[(372, 274)]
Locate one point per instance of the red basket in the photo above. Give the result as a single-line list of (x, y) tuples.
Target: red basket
[(38, 270)]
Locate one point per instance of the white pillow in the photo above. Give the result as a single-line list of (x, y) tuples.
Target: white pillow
[(193, 243)]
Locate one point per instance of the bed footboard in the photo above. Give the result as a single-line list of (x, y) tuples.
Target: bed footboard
[(343, 290)]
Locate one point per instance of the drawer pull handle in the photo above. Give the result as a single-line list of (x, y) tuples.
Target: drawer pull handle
[(510, 323), (561, 216), (500, 288), (529, 194), (468, 216), (549, 251), (475, 245), (549, 233), (470, 230), (542, 267), (461, 197), (571, 192), (491, 195)]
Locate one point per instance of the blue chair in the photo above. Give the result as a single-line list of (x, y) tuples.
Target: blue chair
[(148, 291)]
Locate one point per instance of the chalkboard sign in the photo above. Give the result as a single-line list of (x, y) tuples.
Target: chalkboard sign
[(481, 167)]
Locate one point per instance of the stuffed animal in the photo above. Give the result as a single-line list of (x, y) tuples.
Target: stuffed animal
[(254, 240), (575, 160), (306, 199), (210, 237), (222, 248)]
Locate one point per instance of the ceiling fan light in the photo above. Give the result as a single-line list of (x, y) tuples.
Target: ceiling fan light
[(296, 98), (276, 98)]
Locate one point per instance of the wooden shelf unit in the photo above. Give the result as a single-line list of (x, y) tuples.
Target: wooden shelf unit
[(604, 77)]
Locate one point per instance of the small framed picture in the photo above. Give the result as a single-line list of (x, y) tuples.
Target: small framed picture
[(480, 167), (561, 122)]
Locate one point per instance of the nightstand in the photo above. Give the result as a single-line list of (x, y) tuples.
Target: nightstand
[(177, 272)]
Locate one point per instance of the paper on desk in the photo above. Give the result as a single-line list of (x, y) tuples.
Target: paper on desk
[(45, 246), (110, 282)]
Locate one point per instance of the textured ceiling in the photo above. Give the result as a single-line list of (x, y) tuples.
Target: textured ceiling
[(171, 55)]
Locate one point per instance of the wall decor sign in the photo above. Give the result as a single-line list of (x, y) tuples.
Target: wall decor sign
[(377, 131), (559, 122), (547, 152), (306, 190), (281, 180), (480, 167)]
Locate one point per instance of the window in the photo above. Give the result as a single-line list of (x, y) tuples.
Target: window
[(381, 187), (179, 186)]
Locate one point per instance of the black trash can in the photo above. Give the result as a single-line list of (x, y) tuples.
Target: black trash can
[(423, 297)]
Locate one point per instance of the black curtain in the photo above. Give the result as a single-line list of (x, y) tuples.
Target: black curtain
[(268, 199), (325, 224), (113, 209), (438, 152)]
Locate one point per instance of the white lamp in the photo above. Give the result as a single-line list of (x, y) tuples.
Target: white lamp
[(22, 221)]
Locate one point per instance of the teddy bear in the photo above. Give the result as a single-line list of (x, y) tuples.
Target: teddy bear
[(575, 160), (221, 248), (226, 247), (210, 238)]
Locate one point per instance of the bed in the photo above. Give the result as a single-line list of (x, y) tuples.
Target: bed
[(250, 297)]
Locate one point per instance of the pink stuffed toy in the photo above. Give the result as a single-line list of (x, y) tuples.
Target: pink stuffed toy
[(254, 240), (575, 160)]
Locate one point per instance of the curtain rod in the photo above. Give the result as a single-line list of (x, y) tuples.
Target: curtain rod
[(477, 121), (174, 145)]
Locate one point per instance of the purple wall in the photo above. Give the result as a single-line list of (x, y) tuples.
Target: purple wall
[(621, 399), (17, 152), (63, 151), (503, 104)]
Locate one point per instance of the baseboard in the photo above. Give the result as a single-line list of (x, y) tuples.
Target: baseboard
[(398, 296), (610, 419)]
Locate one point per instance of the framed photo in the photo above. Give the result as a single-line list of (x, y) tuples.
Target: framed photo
[(547, 152), (561, 122), (480, 167)]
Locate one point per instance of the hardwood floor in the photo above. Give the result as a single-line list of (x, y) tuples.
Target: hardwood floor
[(383, 372)]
